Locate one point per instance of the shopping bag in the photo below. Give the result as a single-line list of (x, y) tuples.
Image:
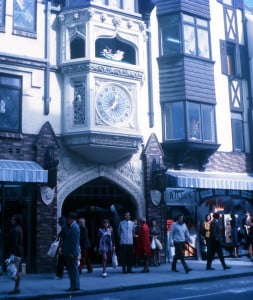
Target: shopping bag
[(158, 244), (12, 266), (153, 245), (53, 248), (114, 260)]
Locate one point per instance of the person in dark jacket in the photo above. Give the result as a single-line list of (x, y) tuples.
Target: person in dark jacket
[(71, 251), (215, 243), (85, 246), (60, 258), (16, 248)]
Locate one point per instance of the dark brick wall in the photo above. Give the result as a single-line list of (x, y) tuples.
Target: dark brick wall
[(32, 148), (153, 151)]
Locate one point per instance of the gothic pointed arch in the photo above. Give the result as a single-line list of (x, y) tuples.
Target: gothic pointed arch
[(81, 178)]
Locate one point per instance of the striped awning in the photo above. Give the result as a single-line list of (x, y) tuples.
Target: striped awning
[(22, 171), (210, 180)]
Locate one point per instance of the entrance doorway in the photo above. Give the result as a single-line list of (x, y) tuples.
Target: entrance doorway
[(95, 201)]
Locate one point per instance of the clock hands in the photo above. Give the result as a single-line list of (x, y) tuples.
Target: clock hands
[(114, 104)]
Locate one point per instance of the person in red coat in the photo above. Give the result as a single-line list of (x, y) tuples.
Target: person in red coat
[(143, 244)]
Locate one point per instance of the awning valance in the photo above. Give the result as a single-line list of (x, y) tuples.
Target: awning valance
[(210, 180), (22, 171)]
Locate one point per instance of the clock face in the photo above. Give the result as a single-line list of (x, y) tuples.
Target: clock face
[(114, 104)]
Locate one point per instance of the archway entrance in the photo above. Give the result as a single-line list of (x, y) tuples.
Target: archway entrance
[(96, 200)]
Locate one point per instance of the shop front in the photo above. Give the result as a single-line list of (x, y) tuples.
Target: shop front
[(18, 194), (196, 194)]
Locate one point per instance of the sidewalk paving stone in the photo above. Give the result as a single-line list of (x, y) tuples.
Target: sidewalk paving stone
[(44, 286)]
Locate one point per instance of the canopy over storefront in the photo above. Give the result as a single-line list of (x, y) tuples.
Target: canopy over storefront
[(210, 180), (22, 171)]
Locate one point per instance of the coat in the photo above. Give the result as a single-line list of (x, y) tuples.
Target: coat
[(143, 241)]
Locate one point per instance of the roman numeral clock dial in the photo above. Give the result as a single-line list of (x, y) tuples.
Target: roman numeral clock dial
[(114, 105)]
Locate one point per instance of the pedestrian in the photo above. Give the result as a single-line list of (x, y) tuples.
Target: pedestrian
[(155, 234), (85, 246), (216, 242), (143, 249), (126, 233), (246, 225), (205, 230), (235, 231), (60, 264), (179, 235), (136, 229), (106, 244), (71, 251), (16, 248), (251, 234)]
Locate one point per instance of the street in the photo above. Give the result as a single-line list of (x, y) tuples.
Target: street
[(226, 289)]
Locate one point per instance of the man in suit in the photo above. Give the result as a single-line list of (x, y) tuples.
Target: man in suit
[(71, 251), (215, 243)]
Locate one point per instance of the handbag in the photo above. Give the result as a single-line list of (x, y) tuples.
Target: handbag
[(158, 244), (53, 248), (153, 245), (114, 260)]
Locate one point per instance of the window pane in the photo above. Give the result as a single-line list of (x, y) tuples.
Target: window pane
[(208, 123), (9, 109), (2, 12), (24, 15), (174, 121), (237, 133), (202, 23), (189, 40), (187, 18), (114, 3), (194, 123), (203, 43), (171, 38)]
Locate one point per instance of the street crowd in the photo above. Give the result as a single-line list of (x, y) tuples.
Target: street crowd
[(139, 243)]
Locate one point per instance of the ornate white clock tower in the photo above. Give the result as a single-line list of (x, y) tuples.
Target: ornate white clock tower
[(102, 60)]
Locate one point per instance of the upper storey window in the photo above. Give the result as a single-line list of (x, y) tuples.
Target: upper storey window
[(114, 49), (10, 103), (24, 15), (196, 36), (77, 48), (185, 34), (2, 14)]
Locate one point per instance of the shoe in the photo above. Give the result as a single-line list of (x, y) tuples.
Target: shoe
[(188, 270), (15, 291), (210, 268), (174, 270), (58, 277), (226, 267), (145, 271), (104, 275)]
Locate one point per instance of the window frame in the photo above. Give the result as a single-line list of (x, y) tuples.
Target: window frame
[(186, 121), (2, 15), (196, 26), (16, 107), (19, 16), (238, 137)]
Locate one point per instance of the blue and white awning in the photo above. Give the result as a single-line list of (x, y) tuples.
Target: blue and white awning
[(210, 180), (22, 171)]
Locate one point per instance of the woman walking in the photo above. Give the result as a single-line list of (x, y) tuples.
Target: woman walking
[(106, 244)]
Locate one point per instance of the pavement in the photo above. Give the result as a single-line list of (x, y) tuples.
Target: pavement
[(44, 286)]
